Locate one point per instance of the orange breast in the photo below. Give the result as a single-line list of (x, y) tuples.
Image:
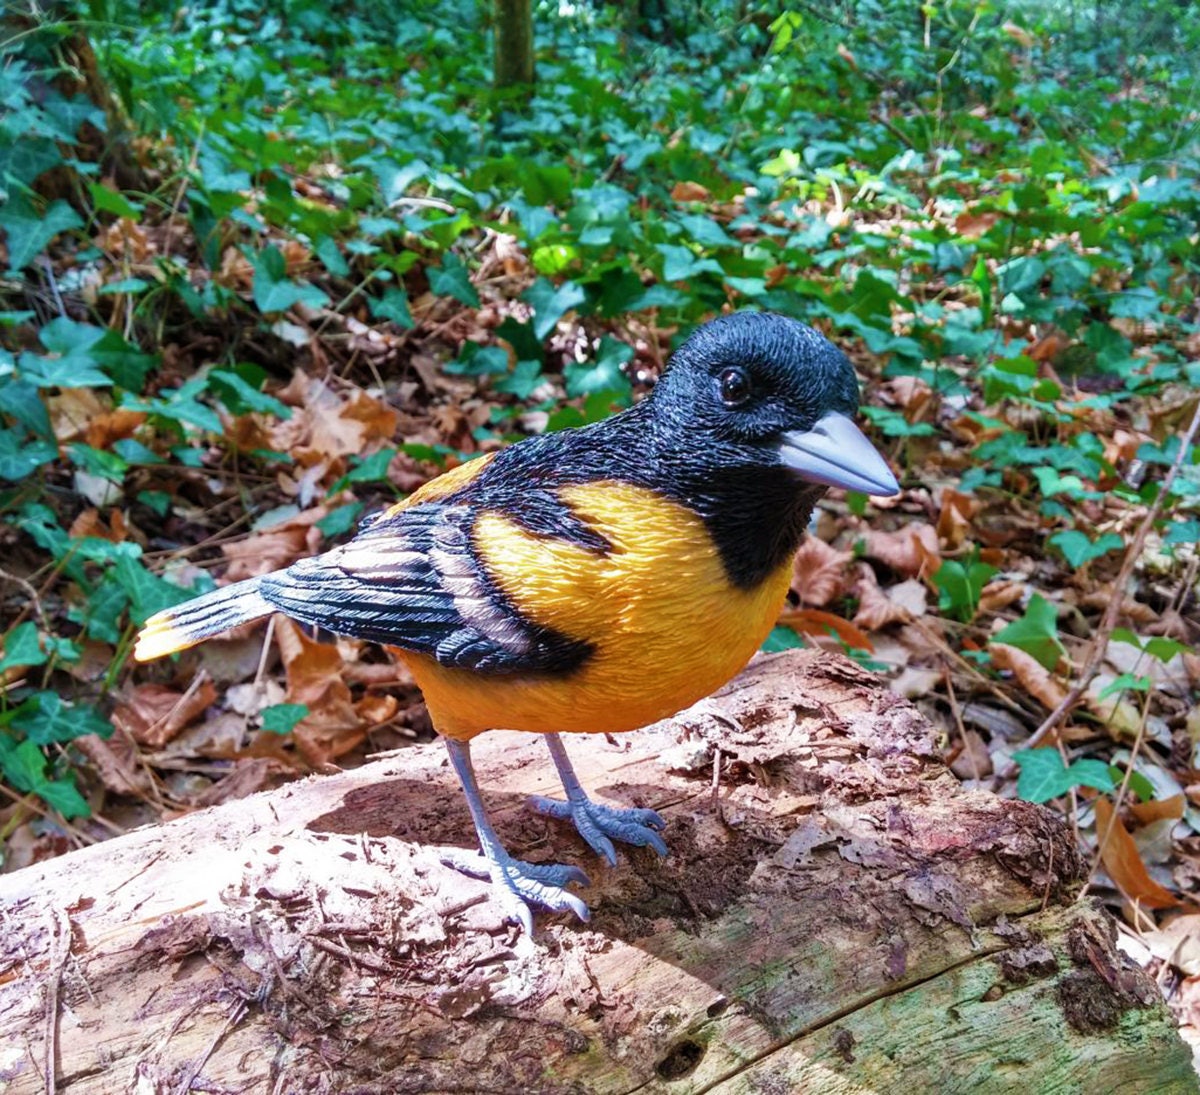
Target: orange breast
[(666, 625)]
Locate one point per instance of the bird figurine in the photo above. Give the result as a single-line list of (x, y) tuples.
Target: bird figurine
[(592, 580)]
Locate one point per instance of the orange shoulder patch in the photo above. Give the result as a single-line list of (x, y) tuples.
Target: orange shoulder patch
[(444, 485)]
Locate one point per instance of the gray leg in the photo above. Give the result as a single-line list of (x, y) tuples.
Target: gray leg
[(518, 884), (597, 823)]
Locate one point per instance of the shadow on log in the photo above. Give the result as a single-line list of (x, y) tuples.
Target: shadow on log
[(840, 916)]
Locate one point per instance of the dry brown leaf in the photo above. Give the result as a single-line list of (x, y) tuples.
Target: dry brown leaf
[(1031, 676), (152, 714), (954, 521), (814, 622), (911, 550), (875, 608), (311, 666), (819, 571), (276, 547), (1157, 809), (90, 523), (997, 595), (117, 425), (314, 678), (973, 223), (73, 410), (1124, 865), (375, 709), (236, 272), (844, 53), (249, 774), (115, 763), (689, 192), (329, 730), (1018, 34)]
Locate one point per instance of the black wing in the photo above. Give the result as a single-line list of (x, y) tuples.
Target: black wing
[(413, 580)]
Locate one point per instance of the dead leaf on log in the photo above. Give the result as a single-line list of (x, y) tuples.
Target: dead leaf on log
[(1124, 865), (1030, 674)]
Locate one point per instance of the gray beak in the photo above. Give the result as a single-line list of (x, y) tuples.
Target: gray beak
[(835, 453)]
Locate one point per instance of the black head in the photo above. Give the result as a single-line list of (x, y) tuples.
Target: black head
[(759, 390)]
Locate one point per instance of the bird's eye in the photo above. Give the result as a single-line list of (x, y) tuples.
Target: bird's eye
[(735, 386)]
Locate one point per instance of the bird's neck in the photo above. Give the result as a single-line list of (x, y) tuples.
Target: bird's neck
[(756, 517)]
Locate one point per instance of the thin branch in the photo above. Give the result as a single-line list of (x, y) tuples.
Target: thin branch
[(1112, 613)]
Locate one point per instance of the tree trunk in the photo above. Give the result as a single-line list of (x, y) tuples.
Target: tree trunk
[(836, 915), (514, 43)]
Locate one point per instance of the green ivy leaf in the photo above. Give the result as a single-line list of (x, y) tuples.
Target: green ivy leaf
[(605, 374), (47, 718), (242, 397), (1044, 776), (22, 646), (781, 638), (393, 306), (110, 201), (29, 230), (1036, 632), (281, 718), (551, 304), (1078, 549), (18, 459), (274, 291), (453, 279)]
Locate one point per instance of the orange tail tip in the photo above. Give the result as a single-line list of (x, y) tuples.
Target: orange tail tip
[(187, 624)]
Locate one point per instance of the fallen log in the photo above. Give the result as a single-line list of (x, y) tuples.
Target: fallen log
[(837, 914)]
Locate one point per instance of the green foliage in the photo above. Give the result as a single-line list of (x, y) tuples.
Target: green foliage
[(1044, 775), (959, 585), (1036, 632)]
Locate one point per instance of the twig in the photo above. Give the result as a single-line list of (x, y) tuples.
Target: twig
[(1108, 623), (1102, 838), (60, 950)]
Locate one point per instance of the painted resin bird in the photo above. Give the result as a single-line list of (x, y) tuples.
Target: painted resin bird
[(592, 580)]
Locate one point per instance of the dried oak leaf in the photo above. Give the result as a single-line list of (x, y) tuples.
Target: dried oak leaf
[(911, 550), (690, 192), (153, 714), (954, 521), (818, 624), (115, 763), (1124, 865), (276, 547), (1030, 674), (875, 608), (314, 678), (819, 571)]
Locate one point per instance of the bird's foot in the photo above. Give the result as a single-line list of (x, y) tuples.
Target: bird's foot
[(519, 885), (597, 824)]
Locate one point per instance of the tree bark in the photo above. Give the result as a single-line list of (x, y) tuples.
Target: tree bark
[(514, 43), (837, 915)]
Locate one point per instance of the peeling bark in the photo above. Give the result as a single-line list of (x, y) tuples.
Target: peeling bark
[(842, 916)]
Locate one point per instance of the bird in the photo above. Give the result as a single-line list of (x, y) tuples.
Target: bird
[(589, 580)]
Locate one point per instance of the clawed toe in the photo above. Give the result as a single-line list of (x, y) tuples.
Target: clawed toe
[(600, 825), (518, 884)]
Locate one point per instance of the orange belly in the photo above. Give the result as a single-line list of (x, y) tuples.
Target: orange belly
[(666, 625)]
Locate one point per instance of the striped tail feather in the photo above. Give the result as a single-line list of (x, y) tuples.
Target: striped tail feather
[(194, 621)]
